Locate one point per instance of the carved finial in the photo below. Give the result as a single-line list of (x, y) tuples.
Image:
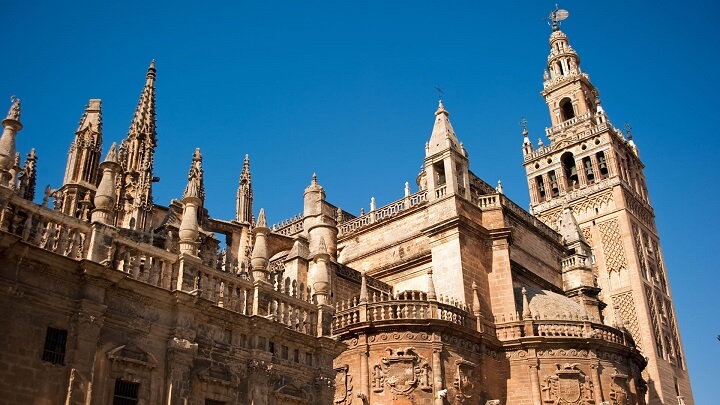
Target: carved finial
[(540, 143), (441, 109), (314, 179), (526, 314), (499, 187), (14, 112), (112, 154), (261, 221), (363, 287), (151, 70), (431, 285)]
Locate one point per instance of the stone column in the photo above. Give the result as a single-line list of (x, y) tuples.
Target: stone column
[(534, 367), (596, 382), (437, 372)]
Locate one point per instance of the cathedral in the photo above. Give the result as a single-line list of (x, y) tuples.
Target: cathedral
[(452, 294)]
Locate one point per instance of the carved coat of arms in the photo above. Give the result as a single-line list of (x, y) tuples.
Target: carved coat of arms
[(568, 386), (401, 371), (343, 385), (464, 377), (619, 390)]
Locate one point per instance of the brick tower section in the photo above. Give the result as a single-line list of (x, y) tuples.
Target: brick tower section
[(595, 170)]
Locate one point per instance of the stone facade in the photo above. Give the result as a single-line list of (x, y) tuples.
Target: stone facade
[(451, 295)]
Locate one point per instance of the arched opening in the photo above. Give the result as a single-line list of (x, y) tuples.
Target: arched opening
[(540, 186), (567, 109), (602, 164), (570, 170)]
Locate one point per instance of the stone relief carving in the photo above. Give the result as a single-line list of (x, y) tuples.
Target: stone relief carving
[(401, 371), (464, 377), (619, 389), (343, 385), (568, 386)]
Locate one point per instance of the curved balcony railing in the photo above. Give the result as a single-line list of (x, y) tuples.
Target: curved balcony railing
[(407, 305)]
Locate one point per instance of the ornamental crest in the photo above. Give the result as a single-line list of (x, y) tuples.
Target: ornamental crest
[(568, 386), (619, 390), (401, 371), (464, 376), (343, 385)]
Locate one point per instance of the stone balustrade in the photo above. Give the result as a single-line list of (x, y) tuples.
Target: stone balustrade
[(573, 262), (382, 213), (281, 299), (406, 305), (142, 261), (43, 227), (567, 123), (549, 328)]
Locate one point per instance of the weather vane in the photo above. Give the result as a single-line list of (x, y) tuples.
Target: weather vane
[(440, 92), (556, 16), (523, 124), (12, 99), (628, 130)]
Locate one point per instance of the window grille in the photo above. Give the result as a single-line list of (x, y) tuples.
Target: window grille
[(126, 393), (55, 341)]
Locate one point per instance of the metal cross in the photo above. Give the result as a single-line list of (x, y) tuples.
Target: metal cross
[(440, 92), (523, 123)]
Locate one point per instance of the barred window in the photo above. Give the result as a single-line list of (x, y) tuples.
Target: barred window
[(55, 341), (126, 393)]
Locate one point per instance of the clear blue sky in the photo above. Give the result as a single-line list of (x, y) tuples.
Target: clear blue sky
[(347, 90)]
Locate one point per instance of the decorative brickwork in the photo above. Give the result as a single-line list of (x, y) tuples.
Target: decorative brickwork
[(654, 318), (625, 307), (613, 250), (639, 250), (594, 202), (587, 234)]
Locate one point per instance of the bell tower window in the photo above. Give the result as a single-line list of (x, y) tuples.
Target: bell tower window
[(571, 175), (602, 164), (567, 109), (555, 191), (540, 188), (587, 166), (439, 169)]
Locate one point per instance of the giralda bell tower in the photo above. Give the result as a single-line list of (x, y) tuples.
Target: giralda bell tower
[(592, 168)]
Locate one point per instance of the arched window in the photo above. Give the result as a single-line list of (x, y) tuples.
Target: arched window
[(567, 109), (570, 171)]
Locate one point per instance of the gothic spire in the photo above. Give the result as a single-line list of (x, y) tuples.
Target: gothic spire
[(136, 157), (84, 156), (143, 123), (28, 177), (244, 200), (443, 135)]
